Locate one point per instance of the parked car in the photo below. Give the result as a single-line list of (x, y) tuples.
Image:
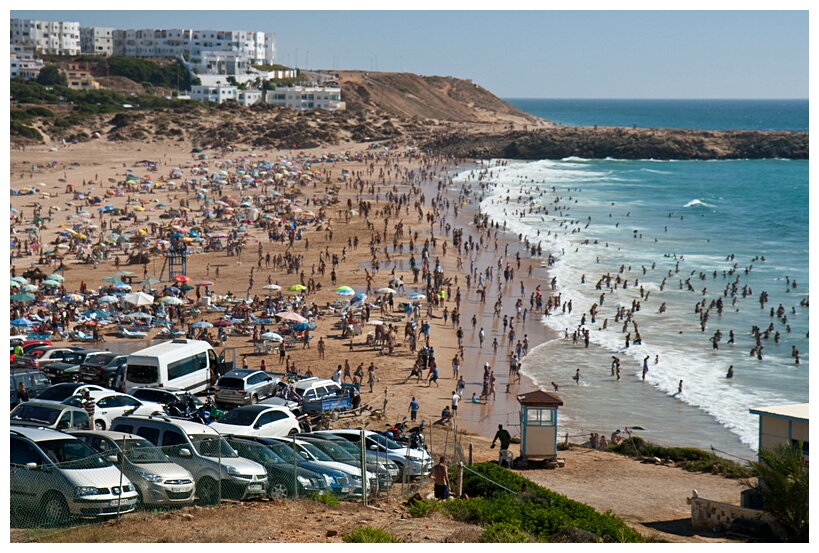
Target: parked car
[(244, 386), (339, 481), (34, 380), (68, 369), (347, 452), (258, 420), (354, 473), (57, 393), (55, 476), (48, 414), (27, 345), (159, 481), (282, 479), (101, 369), (110, 405), (416, 462), (202, 451), (40, 356)]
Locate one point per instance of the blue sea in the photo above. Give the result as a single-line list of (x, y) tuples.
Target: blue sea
[(683, 233)]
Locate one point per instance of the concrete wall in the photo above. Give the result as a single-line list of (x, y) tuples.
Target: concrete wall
[(714, 515)]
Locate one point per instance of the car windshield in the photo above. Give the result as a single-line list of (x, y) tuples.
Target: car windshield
[(335, 451), (283, 451), (256, 452), (382, 440), (72, 358), (316, 452), (74, 401), (58, 393), (212, 446), (230, 382), (142, 451), (42, 414), (101, 360), (73, 454), (239, 417)]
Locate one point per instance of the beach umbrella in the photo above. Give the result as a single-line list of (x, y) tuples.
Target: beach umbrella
[(202, 324), (149, 282), (345, 293), (30, 288), (139, 298), (108, 299), (272, 287), (21, 322), (96, 314), (204, 283), (299, 327), (73, 298), (416, 297), (181, 278), (271, 337), (221, 323), (122, 286), (186, 287), (291, 316), (20, 279), (56, 276), (51, 284), (123, 273), (385, 291), (21, 297), (170, 300), (345, 289), (111, 279), (298, 288)]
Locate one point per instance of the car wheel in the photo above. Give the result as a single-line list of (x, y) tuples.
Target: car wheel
[(110, 382), (99, 424), (75, 378), (54, 509), (278, 491), (207, 491), (400, 477), (254, 399), (293, 432)]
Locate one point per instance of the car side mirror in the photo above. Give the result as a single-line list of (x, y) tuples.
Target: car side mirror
[(373, 447), (63, 425), (184, 452), (114, 458)]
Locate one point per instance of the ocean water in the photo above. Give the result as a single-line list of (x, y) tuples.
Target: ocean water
[(781, 115), (704, 223)]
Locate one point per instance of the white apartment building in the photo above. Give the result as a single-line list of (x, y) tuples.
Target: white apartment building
[(255, 47), (25, 66), (306, 97), (59, 38), (98, 41), (222, 93)]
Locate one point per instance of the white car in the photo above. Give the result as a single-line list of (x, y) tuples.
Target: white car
[(110, 405), (258, 420), (416, 461)]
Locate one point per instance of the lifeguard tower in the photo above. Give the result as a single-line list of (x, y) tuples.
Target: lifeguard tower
[(177, 259), (538, 427)]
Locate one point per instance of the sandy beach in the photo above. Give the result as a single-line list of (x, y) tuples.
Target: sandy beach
[(99, 166)]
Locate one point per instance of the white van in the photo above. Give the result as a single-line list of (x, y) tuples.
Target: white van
[(191, 365), (55, 476)]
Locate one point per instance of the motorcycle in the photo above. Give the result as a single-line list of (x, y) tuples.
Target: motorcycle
[(304, 423), (411, 437)]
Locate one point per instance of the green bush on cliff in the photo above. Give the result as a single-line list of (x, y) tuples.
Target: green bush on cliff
[(531, 508), (687, 458)]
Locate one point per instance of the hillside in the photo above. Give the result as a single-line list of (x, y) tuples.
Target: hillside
[(449, 115)]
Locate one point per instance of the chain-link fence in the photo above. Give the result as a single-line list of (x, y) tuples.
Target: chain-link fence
[(57, 478)]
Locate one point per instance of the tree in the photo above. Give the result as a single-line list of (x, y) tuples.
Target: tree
[(782, 481), (50, 75)]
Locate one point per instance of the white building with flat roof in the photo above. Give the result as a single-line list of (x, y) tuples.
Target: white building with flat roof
[(222, 93), (54, 38), (98, 41), (254, 46), (306, 97)]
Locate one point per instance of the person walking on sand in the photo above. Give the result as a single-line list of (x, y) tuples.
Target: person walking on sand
[(576, 377), (372, 378), (481, 336), (413, 409), (455, 399), (433, 374)]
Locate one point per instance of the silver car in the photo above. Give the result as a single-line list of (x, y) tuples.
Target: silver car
[(159, 481), (245, 387)]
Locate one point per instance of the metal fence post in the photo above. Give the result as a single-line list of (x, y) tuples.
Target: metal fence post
[(460, 479), (295, 470), (363, 457), (470, 454)]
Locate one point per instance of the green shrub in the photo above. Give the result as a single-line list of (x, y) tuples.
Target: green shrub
[(37, 111), (503, 532), (368, 534), (18, 129), (423, 508), (687, 458), (327, 498)]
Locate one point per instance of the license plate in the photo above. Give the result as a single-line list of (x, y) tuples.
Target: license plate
[(255, 487), (179, 489), (118, 502)]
